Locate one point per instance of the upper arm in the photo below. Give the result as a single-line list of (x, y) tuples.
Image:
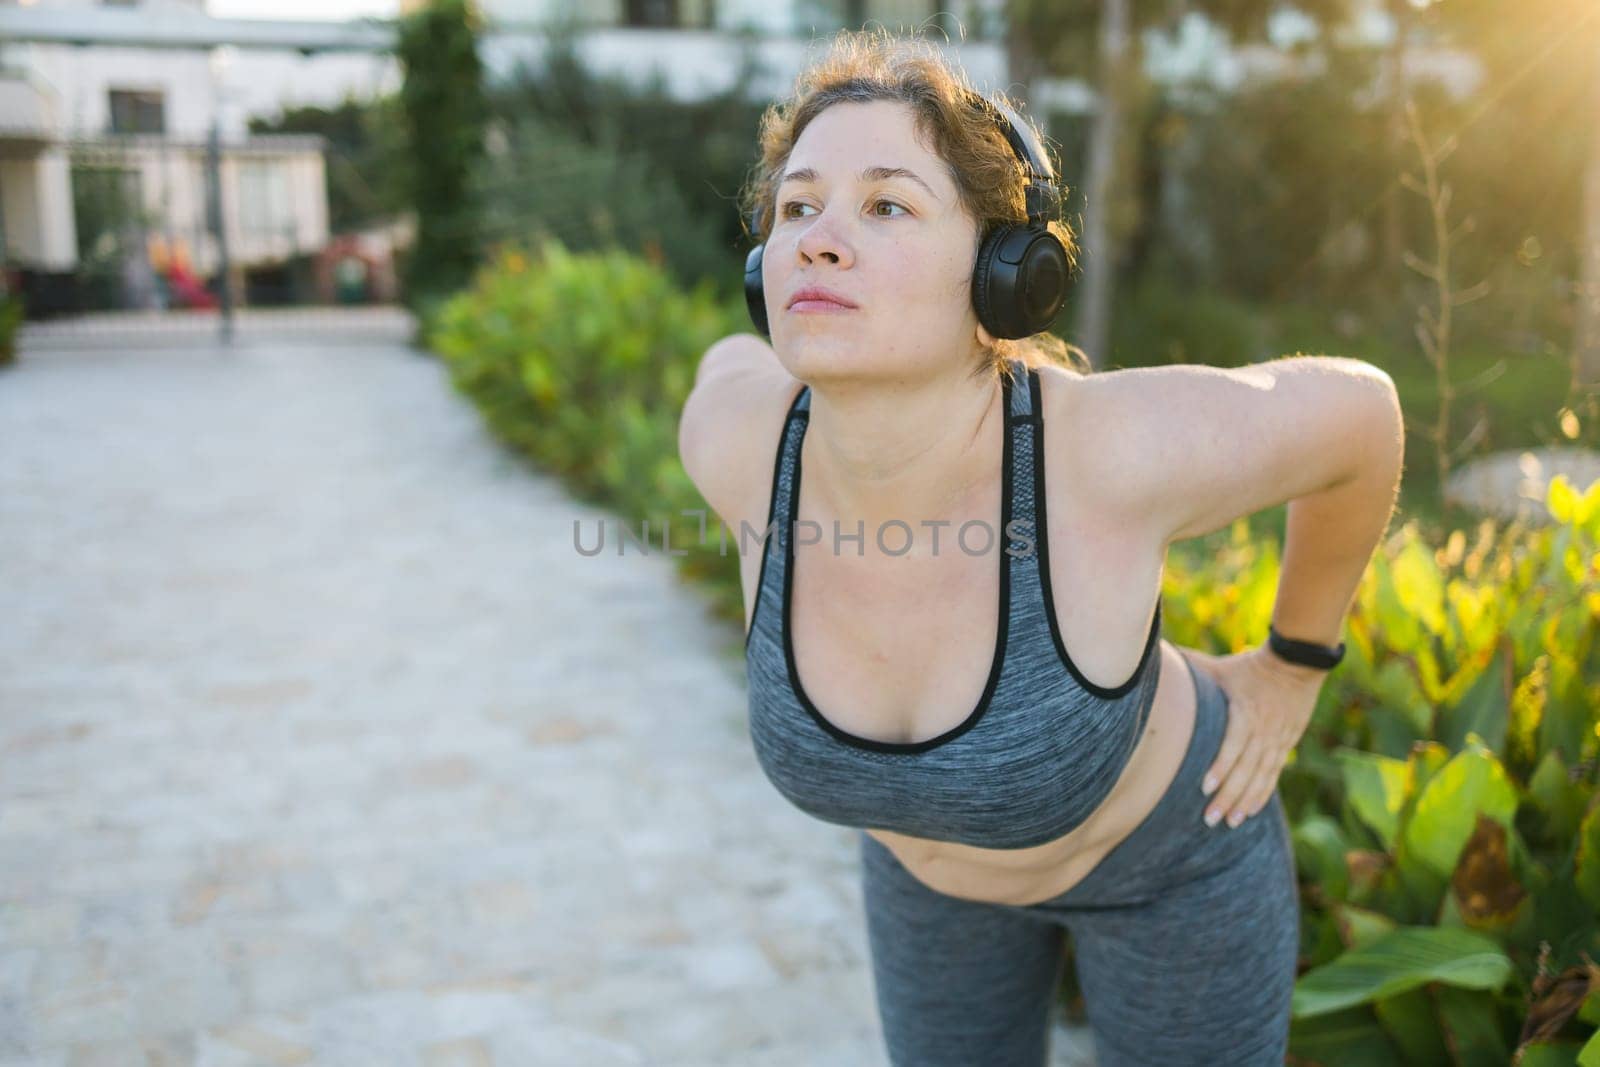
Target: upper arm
[(737, 384), (1190, 448)]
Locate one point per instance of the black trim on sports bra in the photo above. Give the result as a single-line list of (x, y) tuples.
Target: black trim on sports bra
[(1004, 613), (1044, 571), (772, 511)]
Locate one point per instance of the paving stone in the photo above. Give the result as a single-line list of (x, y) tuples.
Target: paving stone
[(42, 922), (461, 1052), (106, 1054), (266, 1043), (177, 979)]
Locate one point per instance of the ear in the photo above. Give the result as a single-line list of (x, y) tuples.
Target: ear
[(986, 339)]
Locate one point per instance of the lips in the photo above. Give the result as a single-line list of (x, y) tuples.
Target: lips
[(816, 293)]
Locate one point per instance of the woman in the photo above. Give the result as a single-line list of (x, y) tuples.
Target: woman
[(996, 715)]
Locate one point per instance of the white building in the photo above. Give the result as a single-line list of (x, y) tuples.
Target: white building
[(123, 95)]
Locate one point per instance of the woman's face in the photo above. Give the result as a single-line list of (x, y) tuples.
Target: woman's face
[(899, 246)]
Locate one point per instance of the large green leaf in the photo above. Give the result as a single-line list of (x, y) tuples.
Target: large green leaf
[(1589, 1055), (1484, 710), (1402, 960), (1589, 1012), (1376, 788), (1423, 760), (1319, 850), (1568, 718), (1410, 1021), (1351, 1038), (1397, 688), (1472, 1026), (1551, 1054), (1398, 621), (1448, 806), (1559, 799), (1474, 608), (1418, 586), (1361, 926), (1587, 864), (1392, 732)]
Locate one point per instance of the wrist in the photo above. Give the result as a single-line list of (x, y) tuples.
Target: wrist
[(1301, 654)]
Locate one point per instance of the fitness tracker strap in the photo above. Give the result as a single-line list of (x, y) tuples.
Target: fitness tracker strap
[(1305, 653)]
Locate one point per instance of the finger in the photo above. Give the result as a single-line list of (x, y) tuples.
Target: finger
[(1235, 784), (1251, 797), (1271, 772), (1234, 740), (1266, 784)]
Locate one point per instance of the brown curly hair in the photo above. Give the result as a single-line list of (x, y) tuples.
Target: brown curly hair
[(872, 64)]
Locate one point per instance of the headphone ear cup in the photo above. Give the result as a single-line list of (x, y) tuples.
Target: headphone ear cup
[(1042, 280), (983, 297), (755, 297), (1019, 281)]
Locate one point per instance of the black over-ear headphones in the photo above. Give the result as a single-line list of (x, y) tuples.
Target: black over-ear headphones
[(1019, 280)]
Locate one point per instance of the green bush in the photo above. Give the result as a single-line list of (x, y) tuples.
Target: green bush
[(591, 198), (700, 148), (1445, 817), (583, 364)]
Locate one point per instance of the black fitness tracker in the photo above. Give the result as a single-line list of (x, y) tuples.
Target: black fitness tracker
[(1305, 653)]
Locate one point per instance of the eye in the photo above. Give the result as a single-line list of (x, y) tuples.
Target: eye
[(785, 209)]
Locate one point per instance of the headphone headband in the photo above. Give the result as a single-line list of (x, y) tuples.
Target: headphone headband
[(1042, 198)]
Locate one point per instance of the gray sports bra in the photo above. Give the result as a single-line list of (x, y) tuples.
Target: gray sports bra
[(1042, 748)]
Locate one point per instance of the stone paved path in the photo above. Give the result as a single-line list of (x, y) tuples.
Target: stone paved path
[(320, 744)]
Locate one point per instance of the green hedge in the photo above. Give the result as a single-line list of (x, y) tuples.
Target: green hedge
[(1445, 816)]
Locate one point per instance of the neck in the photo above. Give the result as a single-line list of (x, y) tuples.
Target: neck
[(880, 452)]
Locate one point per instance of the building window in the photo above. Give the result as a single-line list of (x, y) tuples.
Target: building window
[(264, 208), (650, 13), (137, 111)]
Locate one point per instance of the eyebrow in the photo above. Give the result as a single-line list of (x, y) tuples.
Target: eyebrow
[(809, 174)]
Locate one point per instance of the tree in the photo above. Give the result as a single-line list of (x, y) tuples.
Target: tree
[(1051, 37), (446, 114), (365, 157), (1534, 143)]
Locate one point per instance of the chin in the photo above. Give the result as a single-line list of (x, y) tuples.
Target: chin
[(805, 351), (818, 359)]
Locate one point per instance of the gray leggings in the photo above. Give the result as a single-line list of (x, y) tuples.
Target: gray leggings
[(1186, 938)]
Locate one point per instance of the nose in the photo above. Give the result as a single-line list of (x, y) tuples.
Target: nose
[(821, 240)]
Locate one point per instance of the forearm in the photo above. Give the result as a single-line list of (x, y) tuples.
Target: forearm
[(1330, 536)]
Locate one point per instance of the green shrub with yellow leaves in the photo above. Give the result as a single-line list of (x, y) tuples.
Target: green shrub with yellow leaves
[(1443, 800)]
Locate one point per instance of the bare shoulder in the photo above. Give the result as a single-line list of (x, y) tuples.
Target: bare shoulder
[(730, 425), (1081, 419), (1185, 449)]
